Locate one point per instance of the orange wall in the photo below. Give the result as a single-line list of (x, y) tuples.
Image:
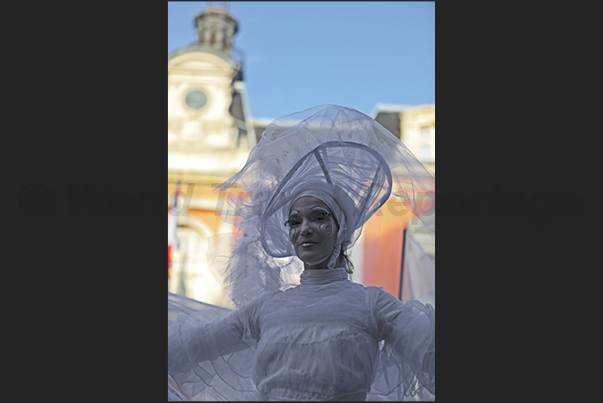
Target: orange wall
[(382, 259), (209, 217)]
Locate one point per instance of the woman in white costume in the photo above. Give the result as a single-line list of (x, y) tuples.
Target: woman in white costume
[(309, 186)]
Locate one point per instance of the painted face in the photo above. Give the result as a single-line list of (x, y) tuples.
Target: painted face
[(312, 229)]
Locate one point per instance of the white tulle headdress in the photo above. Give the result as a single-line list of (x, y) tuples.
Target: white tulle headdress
[(337, 154)]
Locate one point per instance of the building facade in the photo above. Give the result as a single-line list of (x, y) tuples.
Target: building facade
[(209, 138)]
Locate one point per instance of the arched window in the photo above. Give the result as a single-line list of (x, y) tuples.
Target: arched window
[(191, 275)]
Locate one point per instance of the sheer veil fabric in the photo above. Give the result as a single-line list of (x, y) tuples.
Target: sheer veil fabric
[(346, 158)]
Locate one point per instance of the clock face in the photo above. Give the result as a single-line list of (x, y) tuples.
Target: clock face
[(196, 99)]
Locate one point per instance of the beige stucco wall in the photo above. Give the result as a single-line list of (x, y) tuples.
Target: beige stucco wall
[(422, 144)]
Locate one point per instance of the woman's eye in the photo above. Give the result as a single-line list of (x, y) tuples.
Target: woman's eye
[(291, 222), (322, 216)]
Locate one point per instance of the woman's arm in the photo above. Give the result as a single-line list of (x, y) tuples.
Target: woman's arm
[(409, 331), (197, 338)]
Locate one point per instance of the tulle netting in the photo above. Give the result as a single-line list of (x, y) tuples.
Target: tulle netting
[(196, 370)]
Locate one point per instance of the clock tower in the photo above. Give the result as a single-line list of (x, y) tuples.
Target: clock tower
[(209, 138)]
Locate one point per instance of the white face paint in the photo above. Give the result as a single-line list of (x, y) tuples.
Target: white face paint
[(311, 230)]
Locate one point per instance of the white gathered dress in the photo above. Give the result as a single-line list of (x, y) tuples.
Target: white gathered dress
[(325, 339)]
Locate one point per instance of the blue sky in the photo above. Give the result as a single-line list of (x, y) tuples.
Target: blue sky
[(302, 54)]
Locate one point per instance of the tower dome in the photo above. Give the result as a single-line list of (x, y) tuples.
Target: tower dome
[(216, 28)]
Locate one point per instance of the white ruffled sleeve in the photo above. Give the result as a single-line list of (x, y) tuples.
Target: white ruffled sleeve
[(407, 357), (210, 353)]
